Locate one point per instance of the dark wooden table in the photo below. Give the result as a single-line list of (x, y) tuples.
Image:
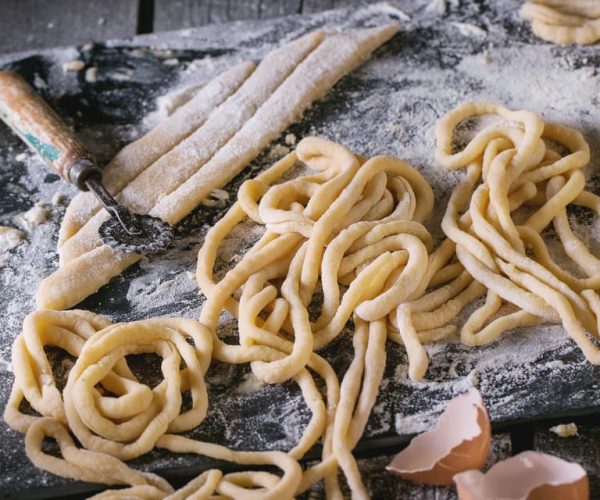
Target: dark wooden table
[(38, 24)]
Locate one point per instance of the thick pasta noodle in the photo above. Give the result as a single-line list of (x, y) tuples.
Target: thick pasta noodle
[(342, 244), (531, 169), (349, 232)]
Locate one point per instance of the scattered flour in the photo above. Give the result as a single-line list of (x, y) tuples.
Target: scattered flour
[(250, 384), (399, 121), (467, 29)]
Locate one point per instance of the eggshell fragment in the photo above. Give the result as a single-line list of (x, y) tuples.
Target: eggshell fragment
[(526, 476), (460, 441)]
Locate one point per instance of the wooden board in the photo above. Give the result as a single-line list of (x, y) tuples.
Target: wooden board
[(394, 100), (37, 24), (181, 14)]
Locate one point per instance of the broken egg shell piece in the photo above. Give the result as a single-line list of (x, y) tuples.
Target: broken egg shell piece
[(527, 476), (460, 441)]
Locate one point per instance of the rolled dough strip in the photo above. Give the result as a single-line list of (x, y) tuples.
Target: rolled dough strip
[(81, 277), (337, 55), (175, 167), (135, 157)]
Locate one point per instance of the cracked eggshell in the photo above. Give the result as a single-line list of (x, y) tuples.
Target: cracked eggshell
[(527, 476), (460, 441)]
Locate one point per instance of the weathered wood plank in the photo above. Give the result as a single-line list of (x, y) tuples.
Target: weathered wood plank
[(31, 24), (180, 14), (311, 6)]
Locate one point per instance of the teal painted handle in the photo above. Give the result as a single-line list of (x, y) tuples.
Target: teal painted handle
[(33, 121)]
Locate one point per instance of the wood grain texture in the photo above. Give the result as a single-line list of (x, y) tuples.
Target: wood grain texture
[(180, 14), (311, 6), (32, 24)]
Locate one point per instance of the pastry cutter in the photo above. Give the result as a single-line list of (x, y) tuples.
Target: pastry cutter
[(26, 113)]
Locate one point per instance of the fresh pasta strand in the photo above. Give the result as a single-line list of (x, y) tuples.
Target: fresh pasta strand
[(344, 242), (512, 260), (353, 218), (564, 21)]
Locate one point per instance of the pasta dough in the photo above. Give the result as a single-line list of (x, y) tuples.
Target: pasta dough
[(351, 220), (134, 418), (520, 165), (564, 21), (285, 83), (342, 242)]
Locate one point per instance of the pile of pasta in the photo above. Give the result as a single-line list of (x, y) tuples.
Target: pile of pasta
[(343, 244), (564, 21), (529, 170)]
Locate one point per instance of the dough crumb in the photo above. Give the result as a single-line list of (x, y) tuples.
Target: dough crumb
[(58, 199), (91, 74), (73, 66), (36, 215), (122, 77), (171, 62), (10, 238), (162, 53), (191, 276), (216, 198), (220, 194), (278, 150), (565, 430), (290, 139)]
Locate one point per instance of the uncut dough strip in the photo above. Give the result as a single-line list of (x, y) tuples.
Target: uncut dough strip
[(172, 169), (135, 157), (334, 57)]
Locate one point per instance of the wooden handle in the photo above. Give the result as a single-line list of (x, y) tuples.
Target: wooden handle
[(25, 112)]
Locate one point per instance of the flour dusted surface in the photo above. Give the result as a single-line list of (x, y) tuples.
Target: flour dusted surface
[(388, 106)]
